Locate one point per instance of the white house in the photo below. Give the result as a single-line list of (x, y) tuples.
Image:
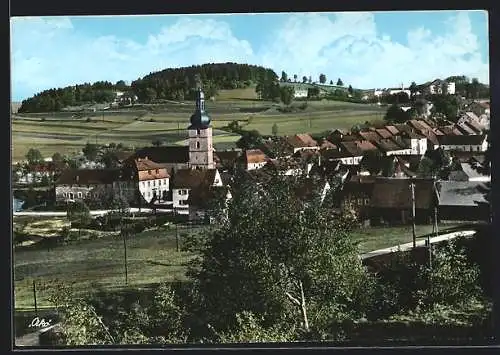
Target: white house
[(464, 143), (94, 185), (187, 182), (254, 159), (300, 92), (436, 87), (417, 142), (153, 180)]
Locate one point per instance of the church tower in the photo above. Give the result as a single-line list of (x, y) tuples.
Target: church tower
[(201, 154)]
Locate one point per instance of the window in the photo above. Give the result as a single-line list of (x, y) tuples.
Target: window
[(157, 171), (149, 172), (367, 201), (360, 201), (198, 132), (79, 195), (149, 183), (70, 195), (197, 145)]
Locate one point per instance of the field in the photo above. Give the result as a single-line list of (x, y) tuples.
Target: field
[(67, 132), (151, 255), (151, 258)]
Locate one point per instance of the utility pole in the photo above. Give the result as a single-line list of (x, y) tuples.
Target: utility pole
[(176, 230), (124, 234), (412, 187), (34, 297)]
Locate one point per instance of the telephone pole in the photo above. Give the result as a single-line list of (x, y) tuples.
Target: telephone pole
[(412, 188), (34, 297)]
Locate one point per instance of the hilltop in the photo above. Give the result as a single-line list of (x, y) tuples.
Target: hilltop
[(170, 84)]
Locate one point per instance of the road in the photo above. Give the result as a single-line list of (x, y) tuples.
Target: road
[(420, 243), (93, 213)]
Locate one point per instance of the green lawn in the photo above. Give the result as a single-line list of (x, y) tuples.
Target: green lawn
[(151, 255)]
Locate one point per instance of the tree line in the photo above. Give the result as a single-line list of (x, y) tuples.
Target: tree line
[(169, 84), (56, 99)]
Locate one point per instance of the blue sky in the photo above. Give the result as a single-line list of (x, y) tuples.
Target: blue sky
[(366, 50)]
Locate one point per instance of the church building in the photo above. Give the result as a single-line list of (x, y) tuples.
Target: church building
[(201, 155)]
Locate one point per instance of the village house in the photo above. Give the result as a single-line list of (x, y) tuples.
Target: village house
[(192, 184), (462, 201), (356, 194), (465, 129), (451, 130), (226, 160), (467, 172), (417, 143), (172, 158), (253, 159), (438, 87), (95, 185), (152, 179), (391, 201), (312, 188), (471, 143), (479, 108), (302, 142), (393, 147), (356, 150)]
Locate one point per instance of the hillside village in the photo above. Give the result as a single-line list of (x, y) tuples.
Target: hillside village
[(351, 165), (125, 220)]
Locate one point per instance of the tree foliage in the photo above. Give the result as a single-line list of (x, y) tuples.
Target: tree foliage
[(340, 82), (277, 258), (34, 156), (322, 78), (286, 94), (396, 115)]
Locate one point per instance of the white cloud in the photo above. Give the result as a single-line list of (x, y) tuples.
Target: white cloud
[(350, 47), (50, 52)]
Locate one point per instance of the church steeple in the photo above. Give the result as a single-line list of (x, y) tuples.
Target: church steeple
[(200, 119), (200, 136)]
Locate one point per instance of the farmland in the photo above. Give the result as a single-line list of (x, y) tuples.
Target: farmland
[(67, 132), (99, 262)]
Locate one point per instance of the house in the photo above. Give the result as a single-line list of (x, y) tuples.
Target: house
[(451, 130), (392, 129), (467, 116), (468, 173), (300, 93), (152, 179), (226, 160), (391, 200), (287, 167), (95, 185), (465, 129), (326, 144), (357, 148), (476, 126), (392, 147), (462, 201), (472, 143), (370, 136), (253, 159), (479, 108), (171, 158), (311, 188), (384, 133), (416, 142), (190, 182), (301, 142), (356, 194), (438, 87)]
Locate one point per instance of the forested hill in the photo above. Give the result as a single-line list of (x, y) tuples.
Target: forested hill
[(177, 84), (170, 84)]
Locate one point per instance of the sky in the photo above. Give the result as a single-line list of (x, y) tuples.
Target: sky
[(365, 49)]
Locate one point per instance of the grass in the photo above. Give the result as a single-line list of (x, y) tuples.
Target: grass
[(67, 132), (151, 255)]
